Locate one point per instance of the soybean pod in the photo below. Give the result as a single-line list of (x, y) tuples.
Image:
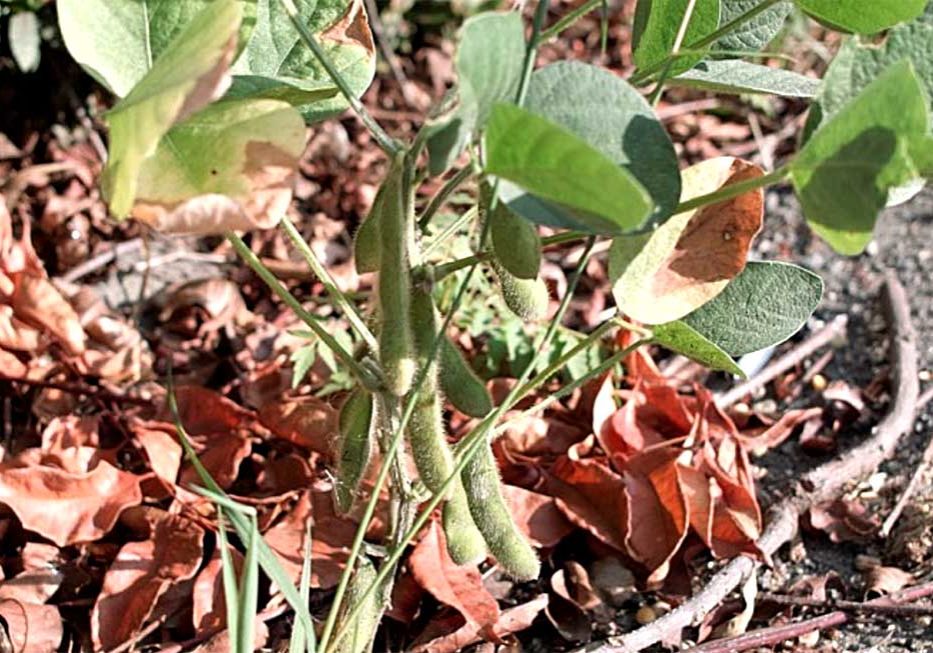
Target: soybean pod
[(430, 450), (362, 632), (354, 448), (464, 389), (491, 515), (396, 234)]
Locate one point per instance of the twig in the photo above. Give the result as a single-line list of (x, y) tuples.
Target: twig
[(915, 479), (777, 634), (825, 482), (100, 260), (375, 22), (833, 330), (866, 607)]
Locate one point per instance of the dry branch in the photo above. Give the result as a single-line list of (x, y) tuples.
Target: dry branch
[(821, 484)]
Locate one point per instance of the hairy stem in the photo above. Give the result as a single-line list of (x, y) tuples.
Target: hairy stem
[(733, 190), (386, 142), (335, 294), (678, 41), (363, 375), (443, 194), (569, 19)]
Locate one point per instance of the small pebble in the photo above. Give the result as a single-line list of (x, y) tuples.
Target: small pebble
[(645, 615), (925, 375), (819, 382), (810, 639)]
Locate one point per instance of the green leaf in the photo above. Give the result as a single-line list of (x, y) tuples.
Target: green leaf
[(118, 41), (737, 76), (612, 117), (275, 51), (657, 23), (229, 167), (25, 41), (763, 306), (186, 77), (554, 164), (859, 62), (863, 16), (845, 171), (683, 339), (489, 62), (756, 33)]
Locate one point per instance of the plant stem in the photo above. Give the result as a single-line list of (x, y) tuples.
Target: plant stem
[(441, 196), (645, 74), (388, 144), (678, 41), (733, 190), (362, 374), (569, 19), (474, 440), (448, 231), (336, 295), (447, 269)]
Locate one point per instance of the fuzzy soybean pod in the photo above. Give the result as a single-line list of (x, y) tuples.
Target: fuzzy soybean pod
[(396, 225), (361, 633), (515, 242), (527, 298), (366, 242), (491, 515), (354, 448), (464, 389), (430, 451)]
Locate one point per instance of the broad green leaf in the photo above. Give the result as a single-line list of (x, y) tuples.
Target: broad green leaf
[(859, 62), (230, 166), (118, 41), (661, 276), (756, 33), (489, 62), (863, 16), (763, 306), (187, 76), (276, 51), (845, 171), (683, 339), (552, 163), (612, 117), (657, 23), (737, 76)]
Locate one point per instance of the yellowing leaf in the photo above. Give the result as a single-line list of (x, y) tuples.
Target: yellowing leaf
[(192, 71), (228, 167), (689, 260)]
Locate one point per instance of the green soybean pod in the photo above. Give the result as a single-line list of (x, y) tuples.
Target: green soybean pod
[(395, 227), (366, 242), (361, 633), (464, 389), (354, 448), (527, 298), (515, 242), (430, 450), (491, 515)]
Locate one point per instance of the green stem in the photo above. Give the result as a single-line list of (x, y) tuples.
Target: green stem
[(336, 295), (569, 19), (441, 196), (678, 41), (449, 268), (448, 231), (362, 374), (733, 190), (386, 142), (646, 73), (475, 439)]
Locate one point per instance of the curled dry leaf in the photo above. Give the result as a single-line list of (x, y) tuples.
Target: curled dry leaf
[(592, 497), (204, 411), (66, 507), (141, 573), (460, 587), (510, 621), (885, 580), (536, 515), (687, 261), (308, 422), (31, 628), (160, 442), (844, 520)]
